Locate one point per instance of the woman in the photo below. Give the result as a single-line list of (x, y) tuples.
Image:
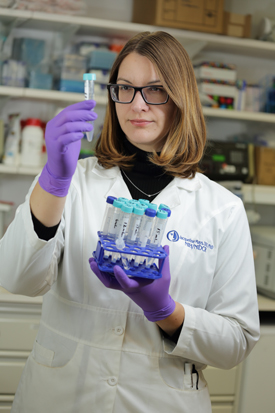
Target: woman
[(119, 344)]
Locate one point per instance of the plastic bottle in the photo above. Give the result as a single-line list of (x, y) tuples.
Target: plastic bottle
[(32, 143), (12, 142)]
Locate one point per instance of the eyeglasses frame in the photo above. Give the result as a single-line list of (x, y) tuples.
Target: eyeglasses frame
[(136, 89)]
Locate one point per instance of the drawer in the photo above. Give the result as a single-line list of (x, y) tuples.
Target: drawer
[(17, 333), (11, 368), (221, 382), (6, 403), (222, 409)]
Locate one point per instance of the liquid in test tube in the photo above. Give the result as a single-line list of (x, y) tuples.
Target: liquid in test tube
[(89, 79)]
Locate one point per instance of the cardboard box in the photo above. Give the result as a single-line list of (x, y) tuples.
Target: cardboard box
[(237, 25), (197, 15), (265, 165)]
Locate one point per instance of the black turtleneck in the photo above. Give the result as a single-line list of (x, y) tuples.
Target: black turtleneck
[(146, 176)]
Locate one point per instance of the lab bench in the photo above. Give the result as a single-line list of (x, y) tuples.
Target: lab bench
[(19, 322)]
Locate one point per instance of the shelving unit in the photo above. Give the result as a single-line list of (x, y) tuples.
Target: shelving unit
[(109, 29)]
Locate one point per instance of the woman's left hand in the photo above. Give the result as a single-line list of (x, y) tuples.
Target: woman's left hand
[(152, 296)]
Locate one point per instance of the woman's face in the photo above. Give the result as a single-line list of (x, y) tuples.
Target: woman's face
[(144, 125)]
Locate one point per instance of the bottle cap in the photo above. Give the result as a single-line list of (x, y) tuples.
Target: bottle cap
[(144, 201), (153, 206), (33, 122), (138, 210), (127, 208), (89, 76), (117, 203), (163, 206), (110, 199), (121, 199), (162, 214), (150, 212)]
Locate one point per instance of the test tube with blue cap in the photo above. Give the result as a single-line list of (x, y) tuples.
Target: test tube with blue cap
[(107, 214), (89, 79)]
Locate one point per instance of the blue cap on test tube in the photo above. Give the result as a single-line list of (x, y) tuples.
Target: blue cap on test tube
[(150, 212), (89, 76), (110, 199)]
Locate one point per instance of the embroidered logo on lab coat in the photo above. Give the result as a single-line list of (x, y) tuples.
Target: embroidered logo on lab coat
[(193, 244)]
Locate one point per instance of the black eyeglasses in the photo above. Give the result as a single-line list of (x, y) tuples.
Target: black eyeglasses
[(153, 95)]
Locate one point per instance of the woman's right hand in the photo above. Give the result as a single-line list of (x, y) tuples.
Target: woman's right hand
[(63, 142)]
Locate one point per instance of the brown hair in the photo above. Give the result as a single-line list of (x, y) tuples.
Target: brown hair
[(185, 142)]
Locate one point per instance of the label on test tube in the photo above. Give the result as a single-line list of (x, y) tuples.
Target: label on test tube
[(114, 222), (108, 214), (159, 227), (89, 79)]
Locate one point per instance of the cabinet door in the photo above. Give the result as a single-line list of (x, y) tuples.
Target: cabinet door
[(18, 334), (11, 368), (221, 382)]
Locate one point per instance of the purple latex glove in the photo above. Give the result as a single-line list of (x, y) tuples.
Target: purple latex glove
[(152, 296), (63, 142)]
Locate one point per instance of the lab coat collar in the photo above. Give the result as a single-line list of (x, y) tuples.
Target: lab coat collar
[(172, 191)]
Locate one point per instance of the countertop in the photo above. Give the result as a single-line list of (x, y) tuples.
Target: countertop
[(265, 303)]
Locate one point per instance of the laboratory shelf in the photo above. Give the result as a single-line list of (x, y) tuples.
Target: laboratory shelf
[(69, 97), (259, 194), (239, 115), (19, 170), (110, 29), (46, 95)]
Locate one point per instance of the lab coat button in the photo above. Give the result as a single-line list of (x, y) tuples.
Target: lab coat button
[(119, 330), (112, 381)]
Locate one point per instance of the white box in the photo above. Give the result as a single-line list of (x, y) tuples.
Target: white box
[(213, 73)]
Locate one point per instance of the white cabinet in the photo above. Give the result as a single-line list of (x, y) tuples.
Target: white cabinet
[(19, 322)]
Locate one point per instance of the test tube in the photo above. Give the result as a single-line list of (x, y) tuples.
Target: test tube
[(107, 215), (157, 233), (133, 230), (89, 79), (125, 215), (115, 219), (144, 233)]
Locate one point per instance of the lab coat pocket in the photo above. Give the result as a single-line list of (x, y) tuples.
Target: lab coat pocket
[(42, 355), (41, 383), (171, 370)]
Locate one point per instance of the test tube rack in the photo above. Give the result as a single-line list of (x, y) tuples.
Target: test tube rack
[(106, 265)]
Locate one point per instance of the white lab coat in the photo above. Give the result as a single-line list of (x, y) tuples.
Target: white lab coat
[(95, 351)]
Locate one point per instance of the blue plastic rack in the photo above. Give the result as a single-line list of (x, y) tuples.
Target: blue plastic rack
[(104, 264)]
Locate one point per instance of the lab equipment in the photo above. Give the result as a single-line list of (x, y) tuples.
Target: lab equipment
[(126, 211), (157, 232), (89, 79), (144, 233), (124, 241), (108, 214), (263, 241)]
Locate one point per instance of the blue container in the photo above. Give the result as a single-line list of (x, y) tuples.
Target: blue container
[(39, 80), (101, 59), (76, 86)]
